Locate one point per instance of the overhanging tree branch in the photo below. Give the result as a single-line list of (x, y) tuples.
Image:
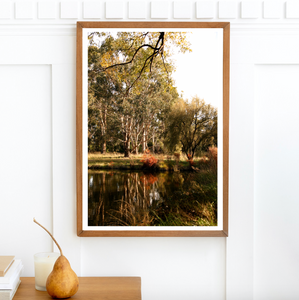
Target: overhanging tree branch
[(157, 49)]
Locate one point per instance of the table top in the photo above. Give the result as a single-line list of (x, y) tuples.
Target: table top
[(90, 288)]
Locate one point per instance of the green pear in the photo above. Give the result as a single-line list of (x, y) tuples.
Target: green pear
[(62, 282)]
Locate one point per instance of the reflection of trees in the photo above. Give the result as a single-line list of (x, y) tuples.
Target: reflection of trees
[(116, 198), (120, 198)]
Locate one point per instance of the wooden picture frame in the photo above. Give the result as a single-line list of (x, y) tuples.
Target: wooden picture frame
[(83, 230)]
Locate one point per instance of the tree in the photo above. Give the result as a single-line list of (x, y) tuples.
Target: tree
[(154, 99), (146, 47), (129, 83), (192, 125), (102, 88)]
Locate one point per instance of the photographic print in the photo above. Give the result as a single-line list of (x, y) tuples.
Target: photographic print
[(152, 129)]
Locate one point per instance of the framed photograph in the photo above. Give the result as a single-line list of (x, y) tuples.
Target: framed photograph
[(152, 129)]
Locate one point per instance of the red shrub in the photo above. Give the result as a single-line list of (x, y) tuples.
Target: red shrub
[(209, 162), (213, 155), (149, 160)]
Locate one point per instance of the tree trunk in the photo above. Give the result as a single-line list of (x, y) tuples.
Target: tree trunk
[(104, 126), (127, 152), (144, 140), (104, 147), (126, 145), (126, 136), (153, 142)]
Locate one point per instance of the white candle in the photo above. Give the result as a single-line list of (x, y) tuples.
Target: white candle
[(43, 266)]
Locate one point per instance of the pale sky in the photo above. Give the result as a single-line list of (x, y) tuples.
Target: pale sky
[(200, 72)]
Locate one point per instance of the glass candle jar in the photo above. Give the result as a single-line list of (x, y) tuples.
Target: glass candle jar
[(43, 266)]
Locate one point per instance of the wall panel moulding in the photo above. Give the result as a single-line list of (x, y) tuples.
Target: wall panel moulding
[(24, 10), (272, 9), (47, 10), (92, 10), (69, 10), (241, 13), (160, 9), (205, 9), (292, 9), (115, 9), (228, 10), (250, 9), (182, 9), (5, 10), (137, 10)]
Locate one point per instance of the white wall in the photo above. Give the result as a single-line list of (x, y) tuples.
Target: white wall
[(276, 203), (37, 110)]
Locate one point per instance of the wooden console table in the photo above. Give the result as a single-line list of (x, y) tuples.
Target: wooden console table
[(90, 288)]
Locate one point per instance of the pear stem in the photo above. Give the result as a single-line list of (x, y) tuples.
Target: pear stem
[(50, 235)]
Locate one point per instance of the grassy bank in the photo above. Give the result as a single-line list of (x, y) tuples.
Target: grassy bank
[(196, 205), (117, 160)]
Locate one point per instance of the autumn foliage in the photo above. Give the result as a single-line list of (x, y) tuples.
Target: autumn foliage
[(213, 154), (148, 180), (210, 160), (149, 161)]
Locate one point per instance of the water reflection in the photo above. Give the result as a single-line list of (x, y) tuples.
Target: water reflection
[(117, 198)]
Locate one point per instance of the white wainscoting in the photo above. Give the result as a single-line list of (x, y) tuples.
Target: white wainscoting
[(276, 204), (37, 109), (26, 159)]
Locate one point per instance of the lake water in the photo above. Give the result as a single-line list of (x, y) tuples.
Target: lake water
[(115, 197)]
